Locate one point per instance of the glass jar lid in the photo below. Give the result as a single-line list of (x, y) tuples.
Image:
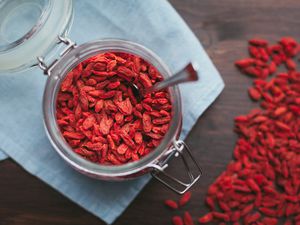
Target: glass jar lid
[(29, 29)]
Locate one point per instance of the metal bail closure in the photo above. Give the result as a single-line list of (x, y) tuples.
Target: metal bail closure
[(170, 181), (61, 40)]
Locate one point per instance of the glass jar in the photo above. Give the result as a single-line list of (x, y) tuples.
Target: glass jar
[(57, 67)]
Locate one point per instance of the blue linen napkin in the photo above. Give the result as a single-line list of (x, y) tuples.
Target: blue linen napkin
[(154, 24)]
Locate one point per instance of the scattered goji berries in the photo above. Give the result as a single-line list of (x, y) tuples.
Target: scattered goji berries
[(99, 116), (187, 218), (262, 184)]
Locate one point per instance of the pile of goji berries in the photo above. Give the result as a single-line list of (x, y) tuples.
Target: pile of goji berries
[(262, 184), (101, 118)]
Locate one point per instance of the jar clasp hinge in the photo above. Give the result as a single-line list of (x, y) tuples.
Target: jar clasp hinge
[(48, 68), (170, 181)]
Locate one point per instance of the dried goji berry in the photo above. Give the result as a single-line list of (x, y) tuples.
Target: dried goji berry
[(187, 219), (185, 198), (171, 204), (147, 124), (243, 63), (254, 93), (206, 218), (251, 218), (221, 216), (258, 42), (210, 203), (177, 220), (269, 221)]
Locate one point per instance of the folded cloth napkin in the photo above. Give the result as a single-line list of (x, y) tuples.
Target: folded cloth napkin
[(154, 24)]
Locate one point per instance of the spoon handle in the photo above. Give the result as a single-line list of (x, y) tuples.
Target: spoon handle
[(188, 73)]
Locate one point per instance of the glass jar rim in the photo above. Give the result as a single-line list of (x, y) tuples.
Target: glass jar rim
[(69, 61)]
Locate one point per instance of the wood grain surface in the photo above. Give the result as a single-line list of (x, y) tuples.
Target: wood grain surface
[(223, 28)]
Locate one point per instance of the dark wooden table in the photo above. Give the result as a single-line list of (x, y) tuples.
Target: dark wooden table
[(223, 27)]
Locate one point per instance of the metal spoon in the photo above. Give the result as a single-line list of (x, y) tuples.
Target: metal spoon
[(188, 73)]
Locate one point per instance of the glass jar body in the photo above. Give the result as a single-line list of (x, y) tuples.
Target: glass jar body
[(69, 61)]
